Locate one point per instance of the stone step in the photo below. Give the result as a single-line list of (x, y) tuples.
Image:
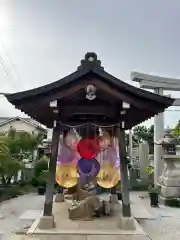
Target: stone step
[(88, 237), (19, 237), (13, 237)]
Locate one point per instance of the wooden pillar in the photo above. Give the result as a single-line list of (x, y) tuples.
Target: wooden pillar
[(52, 170), (126, 209)]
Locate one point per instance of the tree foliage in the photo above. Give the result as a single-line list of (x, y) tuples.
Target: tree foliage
[(176, 130), (134, 140), (14, 147), (144, 134), (40, 166)]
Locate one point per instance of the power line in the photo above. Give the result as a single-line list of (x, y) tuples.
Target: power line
[(6, 71), (10, 59)]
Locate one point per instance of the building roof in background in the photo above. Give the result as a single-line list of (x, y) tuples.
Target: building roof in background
[(5, 120)]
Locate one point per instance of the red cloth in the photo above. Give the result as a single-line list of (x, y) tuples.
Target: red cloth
[(88, 147)]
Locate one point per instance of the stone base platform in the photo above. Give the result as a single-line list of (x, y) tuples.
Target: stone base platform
[(104, 228), (171, 202)]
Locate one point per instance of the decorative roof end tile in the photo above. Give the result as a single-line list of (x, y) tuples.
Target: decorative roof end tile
[(90, 61)]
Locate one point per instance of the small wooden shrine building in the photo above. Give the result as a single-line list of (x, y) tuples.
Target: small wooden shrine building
[(89, 94)]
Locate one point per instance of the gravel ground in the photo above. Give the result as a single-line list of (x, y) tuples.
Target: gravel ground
[(165, 226)]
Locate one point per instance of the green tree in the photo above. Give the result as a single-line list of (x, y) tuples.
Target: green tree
[(23, 144), (35, 139), (9, 166), (142, 133), (134, 140), (14, 147), (176, 130), (4, 150)]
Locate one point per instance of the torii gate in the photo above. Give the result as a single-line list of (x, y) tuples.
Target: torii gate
[(158, 84)]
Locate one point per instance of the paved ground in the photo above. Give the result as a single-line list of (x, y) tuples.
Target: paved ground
[(20, 212), (12, 211), (165, 224)]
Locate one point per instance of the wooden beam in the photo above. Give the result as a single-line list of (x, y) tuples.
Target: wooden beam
[(124, 97), (126, 209), (56, 95), (84, 109), (108, 90)]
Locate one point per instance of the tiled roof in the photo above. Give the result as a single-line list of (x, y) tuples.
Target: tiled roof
[(4, 120)]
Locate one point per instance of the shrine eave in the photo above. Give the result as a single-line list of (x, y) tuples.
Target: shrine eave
[(144, 104), (82, 71)]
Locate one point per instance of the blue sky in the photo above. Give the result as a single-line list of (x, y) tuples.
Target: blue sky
[(46, 40)]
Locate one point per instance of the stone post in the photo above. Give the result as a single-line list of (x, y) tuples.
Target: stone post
[(144, 160), (158, 134)]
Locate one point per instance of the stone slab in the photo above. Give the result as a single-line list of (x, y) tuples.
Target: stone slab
[(173, 192), (117, 237), (46, 222), (90, 237), (57, 237), (127, 223), (101, 228), (59, 198), (140, 212), (73, 232), (31, 215), (170, 181)]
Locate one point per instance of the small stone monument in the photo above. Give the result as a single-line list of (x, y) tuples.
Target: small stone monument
[(144, 160), (170, 178)]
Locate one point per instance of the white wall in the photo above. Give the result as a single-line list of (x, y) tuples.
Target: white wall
[(19, 126), (49, 134)]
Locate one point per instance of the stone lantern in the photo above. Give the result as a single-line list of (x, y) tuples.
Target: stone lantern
[(170, 178), (168, 143)]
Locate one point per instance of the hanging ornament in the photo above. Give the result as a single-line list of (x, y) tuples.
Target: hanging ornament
[(105, 141), (100, 156), (66, 175), (66, 155), (108, 176), (88, 147), (118, 161), (88, 168), (110, 155), (71, 140)]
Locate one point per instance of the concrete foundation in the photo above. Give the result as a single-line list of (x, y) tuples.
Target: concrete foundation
[(46, 222), (114, 199), (59, 198), (113, 227), (127, 223)]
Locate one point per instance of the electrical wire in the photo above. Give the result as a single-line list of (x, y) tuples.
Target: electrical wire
[(6, 71), (10, 59)]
